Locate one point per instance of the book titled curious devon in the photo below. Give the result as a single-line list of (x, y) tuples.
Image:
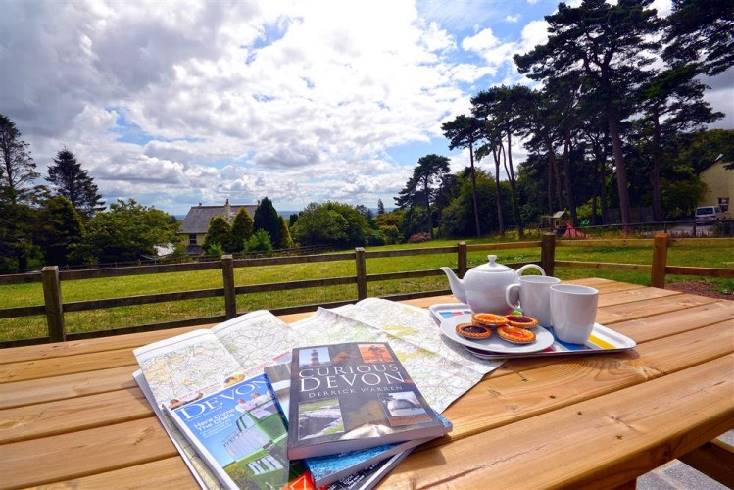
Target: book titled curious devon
[(346, 397)]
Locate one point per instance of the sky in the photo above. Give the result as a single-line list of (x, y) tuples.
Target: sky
[(178, 103)]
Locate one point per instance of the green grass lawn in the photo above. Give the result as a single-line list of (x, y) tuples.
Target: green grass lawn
[(112, 287)]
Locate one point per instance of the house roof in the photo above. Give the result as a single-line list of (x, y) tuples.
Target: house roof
[(198, 218)]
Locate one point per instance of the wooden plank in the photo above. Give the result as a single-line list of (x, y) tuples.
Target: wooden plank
[(58, 417), (47, 368), (145, 299), (488, 247), (602, 243), (648, 308), (54, 304), (85, 452), (715, 459), (306, 283), (604, 441), (387, 276), (632, 295), (572, 264), (230, 298), (701, 271), (22, 311), (411, 251), (66, 386), (298, 259), (165, 473), (148, 327), (461, 258), (498, 401), (666, 324), (702, 242), (548, 253), (72, 274), (23, 277)]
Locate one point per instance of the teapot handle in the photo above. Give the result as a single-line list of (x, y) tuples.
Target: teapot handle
[(530, 266)]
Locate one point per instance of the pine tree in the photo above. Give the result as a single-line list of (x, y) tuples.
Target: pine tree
[(17, 168), (242, 228), (380, 207), (219, 233), (59, 230), (68, 179), (285, 235), (266, 218)]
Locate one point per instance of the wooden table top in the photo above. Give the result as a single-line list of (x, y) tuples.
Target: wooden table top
[(72, 416)]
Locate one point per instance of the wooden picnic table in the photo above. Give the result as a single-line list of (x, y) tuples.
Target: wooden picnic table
[(72, 416)]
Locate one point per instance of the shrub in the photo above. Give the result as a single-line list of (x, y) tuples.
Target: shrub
[(242, 227), (259, 242), (375, 237), (391, 234), (423, 236), (219, 233), (214, 250), (331, 223)]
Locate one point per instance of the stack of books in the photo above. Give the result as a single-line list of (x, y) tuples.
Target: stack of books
[(334, 416)]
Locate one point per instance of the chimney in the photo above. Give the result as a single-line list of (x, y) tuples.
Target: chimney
[(227, 209)]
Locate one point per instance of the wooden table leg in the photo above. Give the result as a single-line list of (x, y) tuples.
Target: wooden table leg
[(715, 459)]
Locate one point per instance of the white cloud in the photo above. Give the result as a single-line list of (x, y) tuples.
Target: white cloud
[(497, 53), (512, 19)]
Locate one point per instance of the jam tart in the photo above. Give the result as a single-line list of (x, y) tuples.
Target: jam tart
[(522, 321), (473, 331), (516, 335), (489, 320)]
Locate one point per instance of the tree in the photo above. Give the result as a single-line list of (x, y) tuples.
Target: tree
[(17, 169), (609, 46), (331, 223), (266, 218), (464, 132), (701, 33), (285, 235), (259, 242), (16, 245), (68, 179), (219, 232), (242, 228), (59, 231), (494, 147), (380, 207), (125, 232), (673, 102), (427, 174)]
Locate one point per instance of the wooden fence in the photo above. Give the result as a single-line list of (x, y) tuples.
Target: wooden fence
[(54, 307)]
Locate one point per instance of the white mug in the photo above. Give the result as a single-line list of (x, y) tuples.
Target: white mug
[(573, 311), (534, 295)]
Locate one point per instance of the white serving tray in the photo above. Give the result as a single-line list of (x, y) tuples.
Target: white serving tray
[(601, 341)]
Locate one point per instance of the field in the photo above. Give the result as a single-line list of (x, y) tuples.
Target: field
[(102, 288)]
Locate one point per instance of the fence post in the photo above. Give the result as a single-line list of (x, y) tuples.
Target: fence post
[(54, 303), (548, 253), (659, 258), (361, 264), (462, 259), (230, 299)]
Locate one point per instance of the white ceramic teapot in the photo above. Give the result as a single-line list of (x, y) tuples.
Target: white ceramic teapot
[(483, 287)]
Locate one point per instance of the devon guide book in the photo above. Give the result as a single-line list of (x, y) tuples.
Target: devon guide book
[(352, 396), (242, 436)]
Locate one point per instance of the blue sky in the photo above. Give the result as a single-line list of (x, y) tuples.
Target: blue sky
[(300, 101)]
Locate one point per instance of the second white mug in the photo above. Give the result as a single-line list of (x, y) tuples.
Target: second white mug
[(573, 311), (533, 293)]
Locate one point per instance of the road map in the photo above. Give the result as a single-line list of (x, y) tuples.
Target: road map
[(192, 365)]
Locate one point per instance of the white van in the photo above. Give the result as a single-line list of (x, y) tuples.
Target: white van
[(709, 213)]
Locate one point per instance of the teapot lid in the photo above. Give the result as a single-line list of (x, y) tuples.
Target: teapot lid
[(493, 266)]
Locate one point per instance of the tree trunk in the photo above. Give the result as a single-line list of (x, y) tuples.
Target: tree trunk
[(550, 189), (498, 198), (556, 172), (570, 197), (621, 170), (428, 207), (474, 190), (511, 174), (655, 180), (594, 195), (603, 192)]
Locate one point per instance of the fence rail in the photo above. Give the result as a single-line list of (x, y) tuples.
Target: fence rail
[(54, 308)]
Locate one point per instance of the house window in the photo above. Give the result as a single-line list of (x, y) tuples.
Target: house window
[(192, 238)]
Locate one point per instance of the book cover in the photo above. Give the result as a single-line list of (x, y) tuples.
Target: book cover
[(352, 396), (242, 436), (342, 469)]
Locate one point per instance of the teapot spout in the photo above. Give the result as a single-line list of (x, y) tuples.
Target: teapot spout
[(457, 285)]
